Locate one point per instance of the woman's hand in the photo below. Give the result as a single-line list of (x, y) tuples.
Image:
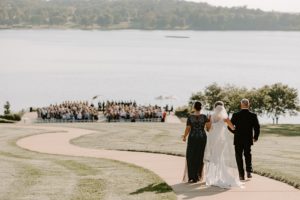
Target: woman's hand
[(209, 118), (208, 124), (183, 138), (227, 120)]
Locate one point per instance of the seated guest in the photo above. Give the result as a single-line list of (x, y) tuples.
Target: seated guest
[(132, 111), (69, 111)]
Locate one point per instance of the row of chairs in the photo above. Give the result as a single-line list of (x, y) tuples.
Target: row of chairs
[(63, 121), (136, 120)]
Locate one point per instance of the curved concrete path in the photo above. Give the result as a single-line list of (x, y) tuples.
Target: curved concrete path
[(172, 119), (169, 168)]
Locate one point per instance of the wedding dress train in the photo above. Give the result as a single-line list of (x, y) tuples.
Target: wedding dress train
[(220, 165)]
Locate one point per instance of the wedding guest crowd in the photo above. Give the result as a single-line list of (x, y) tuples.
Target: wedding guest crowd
[(130, 111), (69, 110)]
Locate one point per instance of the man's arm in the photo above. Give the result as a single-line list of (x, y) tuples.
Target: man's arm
[(256, 128), (233, 121)]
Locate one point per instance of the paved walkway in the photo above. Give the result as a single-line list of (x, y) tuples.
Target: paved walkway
[(28, 118), (172, 119), (169, 168)]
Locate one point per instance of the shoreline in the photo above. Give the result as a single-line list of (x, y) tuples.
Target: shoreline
[(137, 29)]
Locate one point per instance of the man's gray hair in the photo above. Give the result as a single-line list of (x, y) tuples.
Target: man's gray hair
[(245, 102)]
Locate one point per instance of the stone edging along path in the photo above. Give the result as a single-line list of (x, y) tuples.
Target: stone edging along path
[(169, 168)]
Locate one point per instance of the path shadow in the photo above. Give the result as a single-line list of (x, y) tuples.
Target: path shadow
[(157, 188), (190, 191)]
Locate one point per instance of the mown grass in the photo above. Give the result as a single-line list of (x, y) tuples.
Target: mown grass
[(275, 155), (89, 189), (282, 130), (80, 169), (11, 155), (29, 175), (5, 121)]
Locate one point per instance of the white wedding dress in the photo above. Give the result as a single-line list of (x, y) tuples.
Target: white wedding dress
[(220, 165)]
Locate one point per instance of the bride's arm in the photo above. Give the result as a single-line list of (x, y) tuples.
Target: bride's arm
[(229, 123), (208, 124)]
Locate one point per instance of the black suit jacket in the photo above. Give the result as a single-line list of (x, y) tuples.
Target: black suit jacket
[(247, 127)]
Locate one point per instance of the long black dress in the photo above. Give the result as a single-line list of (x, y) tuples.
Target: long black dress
[(196, 146)]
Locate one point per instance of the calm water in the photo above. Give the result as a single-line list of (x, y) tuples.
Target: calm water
[(39, 67)]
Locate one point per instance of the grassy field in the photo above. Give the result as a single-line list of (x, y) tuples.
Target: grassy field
[(35, 176), (276, 154)]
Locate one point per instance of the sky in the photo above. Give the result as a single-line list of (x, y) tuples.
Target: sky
[(267, 5)]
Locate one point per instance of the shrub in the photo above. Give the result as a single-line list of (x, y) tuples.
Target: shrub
[(13, 117), (182, 112)]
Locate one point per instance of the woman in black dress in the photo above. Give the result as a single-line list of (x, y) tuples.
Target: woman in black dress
[(196, 123)]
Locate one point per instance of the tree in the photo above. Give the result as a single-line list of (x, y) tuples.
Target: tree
[(281, 100), (258, 100), (232, 97), (213, 93), (274, 101), (104, 20), (6, 108), (140, 14), (199, 96)]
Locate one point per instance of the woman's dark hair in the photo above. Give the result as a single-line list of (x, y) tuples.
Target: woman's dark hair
[(197, 105)]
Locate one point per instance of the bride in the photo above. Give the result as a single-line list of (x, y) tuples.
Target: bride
[(220, 168)]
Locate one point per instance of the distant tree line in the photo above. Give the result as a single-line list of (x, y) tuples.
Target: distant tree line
[(271, 100), (139, 14)]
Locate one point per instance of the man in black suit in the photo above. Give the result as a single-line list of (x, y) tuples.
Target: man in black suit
[(246, 123)]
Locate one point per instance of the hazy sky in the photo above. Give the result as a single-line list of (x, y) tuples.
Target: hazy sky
[(268, 5)]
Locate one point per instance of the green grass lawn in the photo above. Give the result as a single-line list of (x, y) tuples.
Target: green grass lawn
[(281, 130), (36, 176), (276, 154), (5, 121)]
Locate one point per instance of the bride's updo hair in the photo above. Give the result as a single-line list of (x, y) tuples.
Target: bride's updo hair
[(219, 103), (197, 105)]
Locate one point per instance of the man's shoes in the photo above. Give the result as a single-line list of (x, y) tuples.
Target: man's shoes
[(242, 178), (192, 181), (249, 175)]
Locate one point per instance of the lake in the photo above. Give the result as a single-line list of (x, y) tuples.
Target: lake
[(40, 67)]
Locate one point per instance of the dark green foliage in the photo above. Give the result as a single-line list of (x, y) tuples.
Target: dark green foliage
[(12, 117), (182, 112), (139, 14), (281, 100)]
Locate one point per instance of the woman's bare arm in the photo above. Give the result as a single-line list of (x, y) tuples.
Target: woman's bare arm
[(208, 124), (229, 123), (186, 133)]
